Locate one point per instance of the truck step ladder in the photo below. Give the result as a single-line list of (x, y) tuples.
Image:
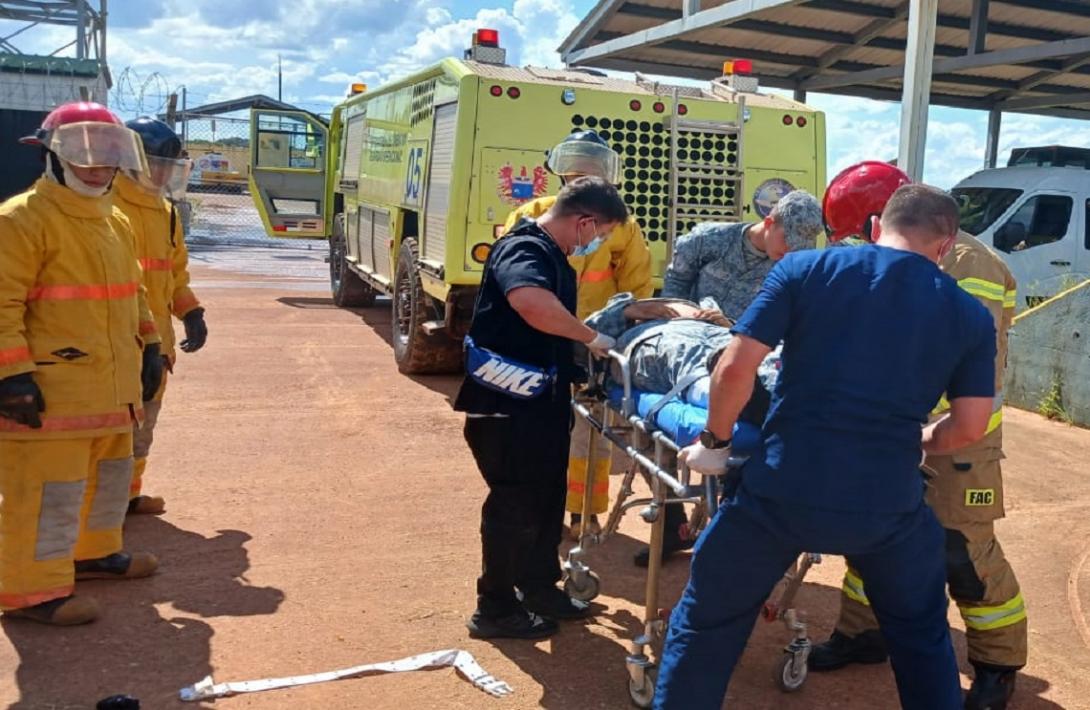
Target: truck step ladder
[(705, 185)]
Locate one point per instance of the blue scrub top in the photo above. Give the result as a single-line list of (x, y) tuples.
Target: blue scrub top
[(872, 338)]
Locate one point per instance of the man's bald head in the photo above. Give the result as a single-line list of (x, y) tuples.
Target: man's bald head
[(921, 213)]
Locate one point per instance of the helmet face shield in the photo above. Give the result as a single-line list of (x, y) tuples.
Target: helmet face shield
[(167, 176), (575, 158), (98, 145)]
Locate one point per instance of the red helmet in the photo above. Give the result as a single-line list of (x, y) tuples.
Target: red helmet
[(75, 112), (858, 193)]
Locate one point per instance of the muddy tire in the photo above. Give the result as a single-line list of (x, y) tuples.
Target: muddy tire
[(416, 352), (349, 290)]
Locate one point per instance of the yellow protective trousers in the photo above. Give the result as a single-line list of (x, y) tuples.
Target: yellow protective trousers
[(577, 470), (982, 583), (143, 435), (60, 500)]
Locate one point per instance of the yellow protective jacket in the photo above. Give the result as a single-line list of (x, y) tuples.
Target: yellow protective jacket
[(161, 253), (622, 264), (72, 311), (982, 274), (967, 485)]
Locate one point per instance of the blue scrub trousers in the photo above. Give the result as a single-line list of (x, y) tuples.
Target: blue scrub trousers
[(745, 550)]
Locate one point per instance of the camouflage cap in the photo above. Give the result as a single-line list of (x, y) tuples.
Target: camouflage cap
[(799, 213)]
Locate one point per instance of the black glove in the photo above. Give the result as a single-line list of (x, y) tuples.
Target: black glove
[(21, 400), (151, 374), (196, 332)]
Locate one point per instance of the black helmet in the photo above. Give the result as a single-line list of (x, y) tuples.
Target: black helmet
[(160, 140)]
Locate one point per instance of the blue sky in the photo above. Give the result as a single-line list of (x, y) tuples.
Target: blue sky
[(222, 49)]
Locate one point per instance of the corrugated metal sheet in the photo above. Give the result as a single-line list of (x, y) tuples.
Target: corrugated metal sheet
[(1017, 27)]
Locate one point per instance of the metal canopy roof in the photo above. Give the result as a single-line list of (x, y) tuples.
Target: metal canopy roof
[(1009, 55)]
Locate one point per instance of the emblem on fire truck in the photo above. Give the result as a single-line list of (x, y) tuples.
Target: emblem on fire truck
[(514, 189)]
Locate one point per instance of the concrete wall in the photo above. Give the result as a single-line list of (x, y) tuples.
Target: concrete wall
[(1050, 344)]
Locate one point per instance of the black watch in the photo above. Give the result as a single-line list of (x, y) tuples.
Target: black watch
[(711, 441)]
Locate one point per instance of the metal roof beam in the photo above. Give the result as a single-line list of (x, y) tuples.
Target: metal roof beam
[(595, 20), (862, 37), (1017, 55), (1035, 80), (719, 50), (714, 17), (1052, 100)]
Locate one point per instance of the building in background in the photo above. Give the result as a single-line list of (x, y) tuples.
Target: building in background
[(31, 85)]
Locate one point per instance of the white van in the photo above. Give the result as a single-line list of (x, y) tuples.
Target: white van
[(1035, 213)]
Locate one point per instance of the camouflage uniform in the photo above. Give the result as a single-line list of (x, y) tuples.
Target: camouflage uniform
[(664, 352), (717, 259)]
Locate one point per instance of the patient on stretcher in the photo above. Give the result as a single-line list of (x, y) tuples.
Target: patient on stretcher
[(672, 345)]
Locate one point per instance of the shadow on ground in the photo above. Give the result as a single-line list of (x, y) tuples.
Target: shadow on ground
[(135, 649)]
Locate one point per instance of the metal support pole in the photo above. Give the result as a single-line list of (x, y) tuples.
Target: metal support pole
[(919, 52), (185, 121), (81, 29), (800, 95), (978, 26), (689, 7), (991, 152)]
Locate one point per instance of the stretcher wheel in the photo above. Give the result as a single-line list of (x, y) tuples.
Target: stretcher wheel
[(643, 696), (583, 587), (790, 673)]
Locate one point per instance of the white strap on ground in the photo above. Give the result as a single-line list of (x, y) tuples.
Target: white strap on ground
[(462, 661)]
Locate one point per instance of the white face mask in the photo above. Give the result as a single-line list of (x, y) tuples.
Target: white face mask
[(78, 186)]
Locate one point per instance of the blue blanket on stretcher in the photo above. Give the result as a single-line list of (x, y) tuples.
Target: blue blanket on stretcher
[(683, 422)]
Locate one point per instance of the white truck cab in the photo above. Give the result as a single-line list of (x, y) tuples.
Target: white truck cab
[(1034, 212)]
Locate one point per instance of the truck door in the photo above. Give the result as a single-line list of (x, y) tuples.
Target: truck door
[(288, 172), (1040, 241)]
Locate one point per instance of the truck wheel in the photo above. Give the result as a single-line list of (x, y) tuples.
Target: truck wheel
[(349, 290), (415, 351)]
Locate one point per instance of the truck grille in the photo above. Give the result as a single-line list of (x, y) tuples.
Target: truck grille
[(645, 149)]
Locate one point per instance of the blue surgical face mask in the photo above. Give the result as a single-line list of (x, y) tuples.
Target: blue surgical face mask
[(590, 247)]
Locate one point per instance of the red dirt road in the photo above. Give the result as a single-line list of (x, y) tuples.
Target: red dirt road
[(323, 513)]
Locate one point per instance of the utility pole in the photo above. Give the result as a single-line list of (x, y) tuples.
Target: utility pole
[(279, 78), (185, 122)]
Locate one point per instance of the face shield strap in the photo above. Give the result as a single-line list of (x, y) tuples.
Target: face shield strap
[(54, 167)]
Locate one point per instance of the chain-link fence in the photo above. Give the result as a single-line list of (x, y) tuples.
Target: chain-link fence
[(218, 208)]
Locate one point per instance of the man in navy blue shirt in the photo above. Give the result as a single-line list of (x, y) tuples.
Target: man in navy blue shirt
[(838, 471), (517, 398)]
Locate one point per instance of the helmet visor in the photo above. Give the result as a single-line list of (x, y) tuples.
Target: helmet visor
[(98, 145), (573, 158), (167, 176)]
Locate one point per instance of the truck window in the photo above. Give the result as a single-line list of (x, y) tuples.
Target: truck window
[(288, 142), (981, 206), (1041, 220)]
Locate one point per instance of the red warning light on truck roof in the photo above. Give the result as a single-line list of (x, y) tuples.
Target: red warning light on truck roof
[(488, 38)]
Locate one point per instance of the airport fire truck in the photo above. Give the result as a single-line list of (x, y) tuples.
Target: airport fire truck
[(411, 182)]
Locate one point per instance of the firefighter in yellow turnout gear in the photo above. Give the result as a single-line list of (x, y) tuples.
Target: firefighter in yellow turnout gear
[(965, 490), (621, 264), (79, 353), (160, 249)]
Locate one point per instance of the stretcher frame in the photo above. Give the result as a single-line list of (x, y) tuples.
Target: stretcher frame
[(648, 449)]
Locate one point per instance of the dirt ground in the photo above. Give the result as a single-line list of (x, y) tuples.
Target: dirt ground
[(323, 513)]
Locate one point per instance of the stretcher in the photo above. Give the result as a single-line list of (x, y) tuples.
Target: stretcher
[(612, 410)]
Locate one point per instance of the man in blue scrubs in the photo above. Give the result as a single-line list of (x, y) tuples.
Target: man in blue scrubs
[(839, 468)]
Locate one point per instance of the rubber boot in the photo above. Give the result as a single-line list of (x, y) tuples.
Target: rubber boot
[(66, 611), (992, 688), (120, 565), (842, 650), (552, 603), (146, 505)]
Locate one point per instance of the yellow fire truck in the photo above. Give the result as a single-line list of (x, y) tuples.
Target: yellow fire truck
[(411, 182)]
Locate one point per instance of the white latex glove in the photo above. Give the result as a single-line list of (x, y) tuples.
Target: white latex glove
[(601, 345), (705, 461)]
